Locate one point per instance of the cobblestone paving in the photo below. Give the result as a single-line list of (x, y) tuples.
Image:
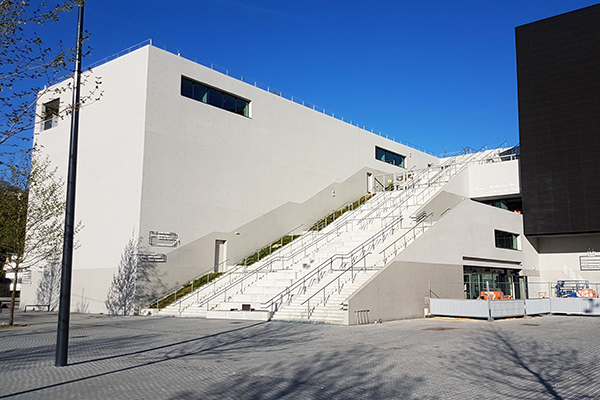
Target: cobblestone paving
[(551, 357)]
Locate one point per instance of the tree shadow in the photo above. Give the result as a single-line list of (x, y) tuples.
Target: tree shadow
[(322, 375), (265, 355), (509, 366)]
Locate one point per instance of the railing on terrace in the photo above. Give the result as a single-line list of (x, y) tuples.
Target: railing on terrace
[(254, 83)]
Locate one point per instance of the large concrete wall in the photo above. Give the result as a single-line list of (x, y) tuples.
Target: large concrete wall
[(494, 180), (401, 289), (209, 173), (464, 235), (109, 174), (153, 160)]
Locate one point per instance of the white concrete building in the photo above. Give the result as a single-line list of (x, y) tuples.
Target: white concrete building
[(206, 168)]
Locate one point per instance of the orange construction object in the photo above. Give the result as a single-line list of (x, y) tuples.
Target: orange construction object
[(586, 293), (494, 294)]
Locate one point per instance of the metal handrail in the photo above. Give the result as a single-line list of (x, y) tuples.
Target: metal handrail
[(421, 225), (179, 287), (290, 289), (351, 268), (287, 291), (360, 248), (270, 247), (340, 286), (343, 221), (301, 252), (227, 274)]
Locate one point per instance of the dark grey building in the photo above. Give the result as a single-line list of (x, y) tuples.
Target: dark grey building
[(558, 69)]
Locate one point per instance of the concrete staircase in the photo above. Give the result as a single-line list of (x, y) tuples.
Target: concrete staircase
[(311, 278)]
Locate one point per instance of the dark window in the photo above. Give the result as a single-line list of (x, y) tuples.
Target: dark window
[(187, 88), (389, 157), (200, 93), (510, 204), (228, 102), (214, 97), (242, 107), (506, 240), (50, 112)]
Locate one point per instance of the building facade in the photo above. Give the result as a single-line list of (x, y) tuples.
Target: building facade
[(559, 125), (203, 169)]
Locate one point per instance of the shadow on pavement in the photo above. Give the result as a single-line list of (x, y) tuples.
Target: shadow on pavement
[(502, 365)]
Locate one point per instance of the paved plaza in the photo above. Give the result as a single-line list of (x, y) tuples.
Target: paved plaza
[(551, 357)]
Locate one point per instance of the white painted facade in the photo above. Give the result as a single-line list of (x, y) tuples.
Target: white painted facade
[(151, 159)]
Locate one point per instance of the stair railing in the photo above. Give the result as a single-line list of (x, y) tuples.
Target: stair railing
[(446, 172), (307, 281), (238, 269), (175, 290), (317, 300), (352, 268), (249, 277), (403, 241)]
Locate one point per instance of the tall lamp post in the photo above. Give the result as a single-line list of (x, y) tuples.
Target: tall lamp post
[(62, 337)]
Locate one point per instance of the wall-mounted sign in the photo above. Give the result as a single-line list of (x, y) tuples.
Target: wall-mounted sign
[(163, 239), (589, 263), (153, 257)]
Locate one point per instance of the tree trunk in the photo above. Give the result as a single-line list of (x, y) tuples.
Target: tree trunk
[(11, 320)]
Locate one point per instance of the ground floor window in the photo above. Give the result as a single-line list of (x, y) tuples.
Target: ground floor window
[(504, 280)]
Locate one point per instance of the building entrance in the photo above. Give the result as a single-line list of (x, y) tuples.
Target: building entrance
[(505, 280)]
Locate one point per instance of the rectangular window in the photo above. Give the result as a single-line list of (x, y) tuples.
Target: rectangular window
[(214, 97), (507, 240), (50, 112), (389, 157)]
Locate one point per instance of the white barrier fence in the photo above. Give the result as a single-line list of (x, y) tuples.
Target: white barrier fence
[(513, 308)]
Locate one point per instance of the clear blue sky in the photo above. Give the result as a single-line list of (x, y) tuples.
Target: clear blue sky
[(440, 74)]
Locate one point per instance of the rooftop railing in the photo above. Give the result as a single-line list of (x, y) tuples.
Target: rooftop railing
[(254, 83)]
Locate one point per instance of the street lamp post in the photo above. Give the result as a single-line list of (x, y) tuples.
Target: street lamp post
[(62, 337)]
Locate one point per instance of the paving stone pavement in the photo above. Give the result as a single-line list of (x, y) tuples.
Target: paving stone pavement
[(550, 357)]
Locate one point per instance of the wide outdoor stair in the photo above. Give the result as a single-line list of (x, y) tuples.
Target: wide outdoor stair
[(300, 282), (333, 311)]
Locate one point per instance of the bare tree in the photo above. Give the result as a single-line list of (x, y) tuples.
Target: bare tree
[(48, 290), (121, 294), (30, 68), (33, 215), (136, 281)]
